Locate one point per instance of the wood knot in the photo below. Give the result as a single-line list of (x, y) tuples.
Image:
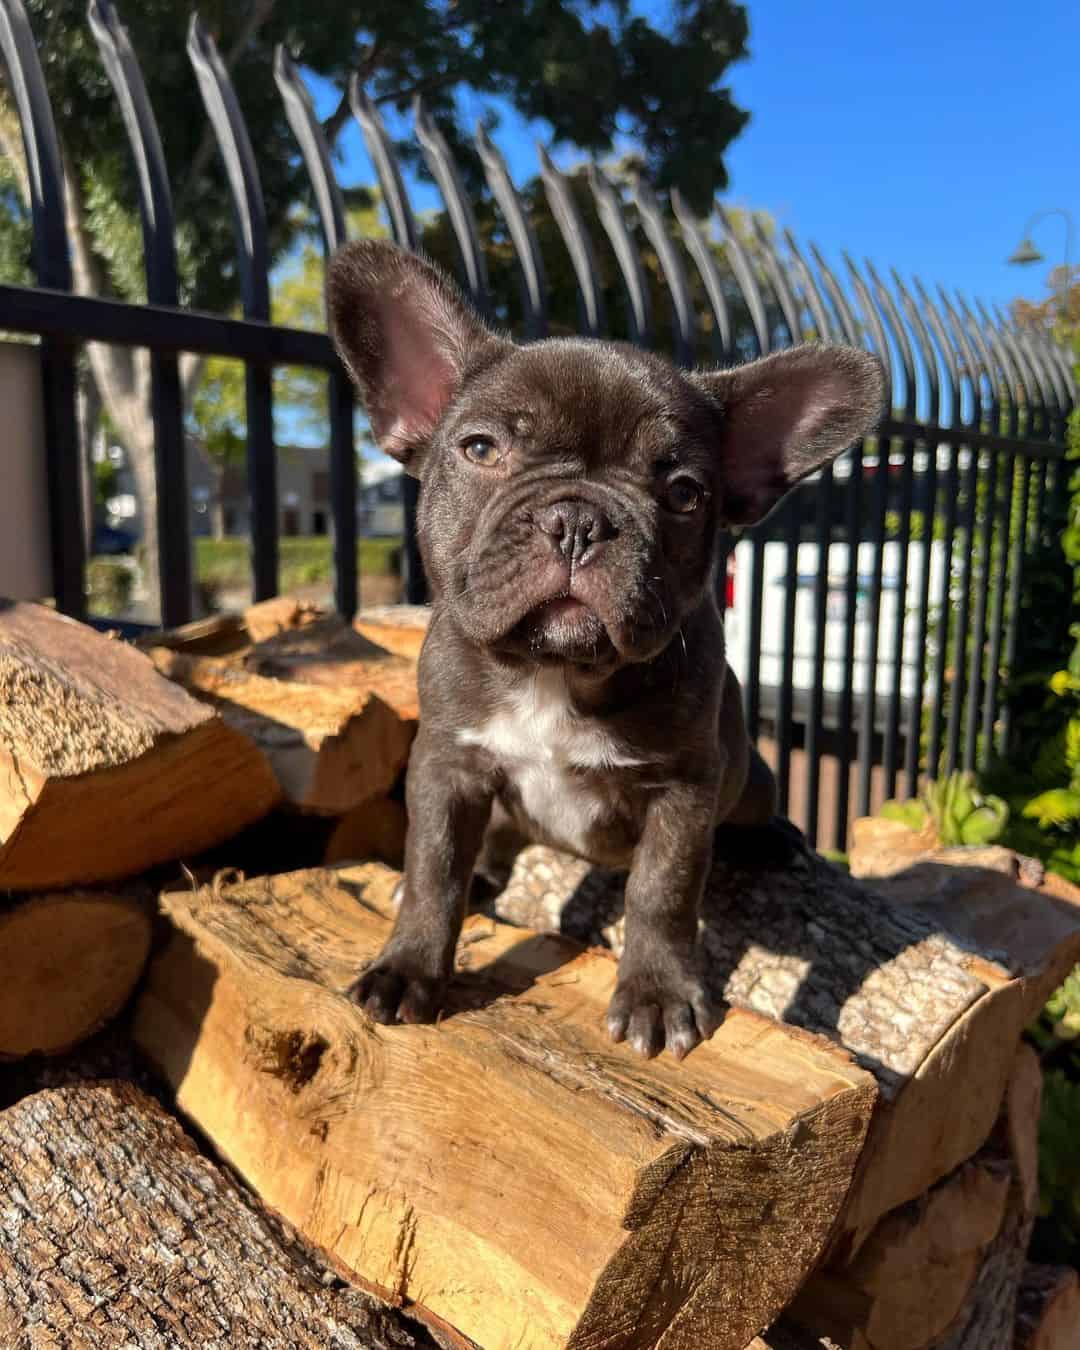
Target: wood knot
[(293, 1056)]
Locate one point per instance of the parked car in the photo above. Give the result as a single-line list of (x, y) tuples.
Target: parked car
[(808, 565), (110, 542)]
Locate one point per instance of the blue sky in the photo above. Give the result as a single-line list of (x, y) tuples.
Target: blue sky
[(922, 135)]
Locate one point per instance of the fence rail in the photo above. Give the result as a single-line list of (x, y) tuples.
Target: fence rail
[(894, 666)]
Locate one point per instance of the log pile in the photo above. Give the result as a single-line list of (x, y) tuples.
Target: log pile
[(850, 1162)]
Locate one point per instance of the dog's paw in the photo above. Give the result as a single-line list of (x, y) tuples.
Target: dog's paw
[(394, 989), (655, 1009)]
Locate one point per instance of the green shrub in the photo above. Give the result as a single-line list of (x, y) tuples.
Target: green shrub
[(1057, 1036), (109, 586), (960, 813)]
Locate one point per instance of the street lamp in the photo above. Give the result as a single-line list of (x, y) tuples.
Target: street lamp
[(1026, 251)]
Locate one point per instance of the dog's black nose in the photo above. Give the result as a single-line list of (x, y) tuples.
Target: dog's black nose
[(577, 529)]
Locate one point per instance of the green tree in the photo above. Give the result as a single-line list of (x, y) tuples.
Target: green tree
[(218, 411), (590, 70)]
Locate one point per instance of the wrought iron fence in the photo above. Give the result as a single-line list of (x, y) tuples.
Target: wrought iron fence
[(856, 679)]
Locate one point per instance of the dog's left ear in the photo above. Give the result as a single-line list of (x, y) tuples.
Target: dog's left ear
[(785, 416)]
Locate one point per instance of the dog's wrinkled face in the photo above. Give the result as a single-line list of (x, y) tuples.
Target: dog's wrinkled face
[(573, 490)]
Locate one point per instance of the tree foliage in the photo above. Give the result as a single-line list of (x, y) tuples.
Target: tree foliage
[(591, 71)]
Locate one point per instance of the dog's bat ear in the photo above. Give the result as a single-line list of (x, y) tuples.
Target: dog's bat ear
[(407, 336), (785, 416)]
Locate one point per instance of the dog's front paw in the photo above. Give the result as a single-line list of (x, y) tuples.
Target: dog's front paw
[(396, 988), (660, 1003)]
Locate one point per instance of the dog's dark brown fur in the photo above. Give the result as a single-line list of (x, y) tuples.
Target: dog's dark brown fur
[(573, 675)]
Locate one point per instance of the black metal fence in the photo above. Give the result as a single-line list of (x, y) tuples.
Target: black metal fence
[(857, 679)]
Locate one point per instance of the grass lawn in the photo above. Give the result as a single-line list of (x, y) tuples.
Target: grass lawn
[(304, 561)]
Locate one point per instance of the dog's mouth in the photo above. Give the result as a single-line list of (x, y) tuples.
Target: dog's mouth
[(563, 628)]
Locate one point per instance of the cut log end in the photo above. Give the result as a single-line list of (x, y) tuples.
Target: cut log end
[(70, 963), (106, 768)]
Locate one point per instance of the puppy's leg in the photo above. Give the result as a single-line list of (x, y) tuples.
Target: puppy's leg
[(503, 841), (449, 804), (660, 997)]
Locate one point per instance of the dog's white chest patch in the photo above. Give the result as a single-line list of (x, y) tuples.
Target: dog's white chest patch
[(541, 742)]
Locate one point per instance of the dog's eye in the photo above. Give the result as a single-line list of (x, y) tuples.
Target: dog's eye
[(683, 495), (481, 450)]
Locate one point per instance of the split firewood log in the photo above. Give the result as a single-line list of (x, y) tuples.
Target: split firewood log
[(105, 767), (509, 1167)]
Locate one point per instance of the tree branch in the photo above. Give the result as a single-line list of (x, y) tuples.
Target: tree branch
[(116, 369), (408, 91), (260, 12), (333, 124)]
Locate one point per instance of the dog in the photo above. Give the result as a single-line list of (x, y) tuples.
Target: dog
[(573, 686)]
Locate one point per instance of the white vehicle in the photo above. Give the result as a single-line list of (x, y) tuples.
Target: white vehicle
[(769, 662)]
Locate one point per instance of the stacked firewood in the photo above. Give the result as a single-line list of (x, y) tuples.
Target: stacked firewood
[(851, 1160)]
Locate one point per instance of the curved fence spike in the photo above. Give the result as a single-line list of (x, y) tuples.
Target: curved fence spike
[(155, 194), (52, 267), (44, 166), (575, 236), (609, 209), (162, 288), (300, 112), (652, 222), (844, 313), (945, 349), (1036, 403), (1064, 364), (447, 175), (534, 283), (1052, 384), (967, 365), (901, 339), (780, 282), (1004, 375), (387, 169), (253, 253), (976, 364), (824, 326), (1057, 354), (988, 355), (879, 342), (1022, 374), (234, 143), (744, 276), (925, 344), (705, 262)]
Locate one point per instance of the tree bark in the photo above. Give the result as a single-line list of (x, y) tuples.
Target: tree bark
[(931, 999), (116, 1231), (510, 1168)]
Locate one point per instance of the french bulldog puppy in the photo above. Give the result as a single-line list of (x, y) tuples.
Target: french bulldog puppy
[(573, 676)]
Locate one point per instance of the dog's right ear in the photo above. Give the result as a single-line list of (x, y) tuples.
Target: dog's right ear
[(407, 336)]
